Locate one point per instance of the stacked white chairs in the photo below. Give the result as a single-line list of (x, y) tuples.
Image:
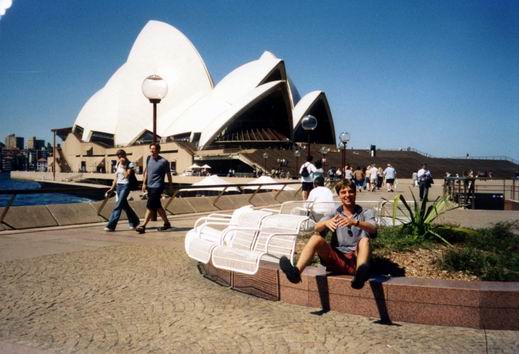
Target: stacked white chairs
[(211, 231), (275, 237)]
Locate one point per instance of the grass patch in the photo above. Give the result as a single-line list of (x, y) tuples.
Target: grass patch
[(397, 239), (490, 254)]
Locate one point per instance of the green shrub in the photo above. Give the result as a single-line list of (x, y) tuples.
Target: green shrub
[(397, 239), (491, 254)]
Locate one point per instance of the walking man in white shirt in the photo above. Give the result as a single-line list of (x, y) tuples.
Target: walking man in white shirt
[(306, 172), (390, 175)]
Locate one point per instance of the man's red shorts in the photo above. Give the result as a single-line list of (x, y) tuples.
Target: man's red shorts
[(338, 262)]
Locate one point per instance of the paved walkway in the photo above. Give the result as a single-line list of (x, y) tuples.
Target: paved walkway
[(83, 290)]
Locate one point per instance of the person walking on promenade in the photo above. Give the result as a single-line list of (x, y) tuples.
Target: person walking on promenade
[(367, 177), (380, 177), (153, 182), (349, 251), (425, 180), (373, 177), (390, 175), (348, 173), (121, 185), (358, 178), (306, 172)]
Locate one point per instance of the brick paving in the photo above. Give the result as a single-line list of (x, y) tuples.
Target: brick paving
[(82, 290)]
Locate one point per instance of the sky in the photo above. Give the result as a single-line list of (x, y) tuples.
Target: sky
[(438, 76)]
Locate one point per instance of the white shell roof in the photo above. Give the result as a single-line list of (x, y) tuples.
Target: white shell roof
[(229, 92), (192, 104), (159, 49)]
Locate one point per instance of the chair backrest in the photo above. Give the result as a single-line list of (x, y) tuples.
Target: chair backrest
[(295, 207), (244, 239), (291, 225), (318, 210)]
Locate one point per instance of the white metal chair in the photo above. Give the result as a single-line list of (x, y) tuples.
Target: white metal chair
[(275, 237), (210, 231)]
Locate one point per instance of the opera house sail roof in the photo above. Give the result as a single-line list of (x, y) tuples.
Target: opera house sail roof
[(255, 105)]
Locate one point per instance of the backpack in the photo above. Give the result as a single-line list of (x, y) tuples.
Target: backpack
[(133, 184), (304, 172)]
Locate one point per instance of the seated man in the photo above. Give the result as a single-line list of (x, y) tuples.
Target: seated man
[(349, 251), (320, 200)]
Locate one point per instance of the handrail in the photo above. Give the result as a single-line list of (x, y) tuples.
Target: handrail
[(173, 191)]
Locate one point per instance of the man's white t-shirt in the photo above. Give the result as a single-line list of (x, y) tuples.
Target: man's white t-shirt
[(323, 202), (311, 169), (374, 174)]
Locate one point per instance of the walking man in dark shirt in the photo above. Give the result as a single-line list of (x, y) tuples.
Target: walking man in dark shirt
[(153, 182)]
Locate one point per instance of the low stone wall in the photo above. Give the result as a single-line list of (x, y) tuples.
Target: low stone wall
[(25, 217), (484, 305)]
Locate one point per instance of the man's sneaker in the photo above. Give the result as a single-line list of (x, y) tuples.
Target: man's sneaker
[(291, 272), (131, 227), (165, 227), (107, 229), (141, 229), (361, 276)]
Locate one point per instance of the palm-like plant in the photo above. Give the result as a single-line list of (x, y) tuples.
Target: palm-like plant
[(418, 220)]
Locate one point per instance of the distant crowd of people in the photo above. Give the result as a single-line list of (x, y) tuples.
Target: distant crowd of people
[(369, 178)]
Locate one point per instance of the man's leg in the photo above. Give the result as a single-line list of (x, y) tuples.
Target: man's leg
[(164, 217), (316, 245), (362, 272), (142, 228)]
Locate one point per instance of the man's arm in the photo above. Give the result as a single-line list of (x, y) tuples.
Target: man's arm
[(330, 224), (144, 180)]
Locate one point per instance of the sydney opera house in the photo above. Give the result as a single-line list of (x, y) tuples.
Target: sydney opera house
[(254, 107)]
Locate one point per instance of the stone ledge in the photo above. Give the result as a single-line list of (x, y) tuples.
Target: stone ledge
[(479, 304)]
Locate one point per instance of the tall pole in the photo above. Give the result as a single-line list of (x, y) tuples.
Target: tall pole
[(154, 120), (308, 146), (343, 160), (54, 156)]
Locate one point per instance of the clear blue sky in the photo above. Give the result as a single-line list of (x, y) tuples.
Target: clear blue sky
[(440, 76)]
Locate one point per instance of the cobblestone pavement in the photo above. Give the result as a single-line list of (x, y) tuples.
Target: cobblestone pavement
[(125, 293)]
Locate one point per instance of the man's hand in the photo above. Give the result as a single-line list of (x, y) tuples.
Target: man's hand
[(331, 224), (345, 221)]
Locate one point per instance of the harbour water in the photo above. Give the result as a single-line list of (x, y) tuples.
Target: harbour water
[(6, 183)]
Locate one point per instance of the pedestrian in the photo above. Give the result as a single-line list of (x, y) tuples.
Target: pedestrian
[(425, 180), (348, 173), (319, 170), (306, 171), (320, 200), (349, 252), (121, 185), (367, 177), (358, 178), (380, 177), (373, 177), (153, 182), (390, 175)]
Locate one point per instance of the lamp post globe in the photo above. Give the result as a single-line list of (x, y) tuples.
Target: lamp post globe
[(154, 88), (344, 137), (309, 123)]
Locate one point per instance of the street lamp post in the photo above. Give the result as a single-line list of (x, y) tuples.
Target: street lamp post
[(344, 137), (265, 157), (324, 150), (309, 123), (154, 89)]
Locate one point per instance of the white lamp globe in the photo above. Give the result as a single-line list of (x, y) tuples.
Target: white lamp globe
[(154, 88), (309, 122), (344, 137)]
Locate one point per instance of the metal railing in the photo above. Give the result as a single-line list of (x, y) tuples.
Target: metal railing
[(172, 192), (462, 190)]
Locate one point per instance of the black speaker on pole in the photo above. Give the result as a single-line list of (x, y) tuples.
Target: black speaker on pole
[(373, 150)]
